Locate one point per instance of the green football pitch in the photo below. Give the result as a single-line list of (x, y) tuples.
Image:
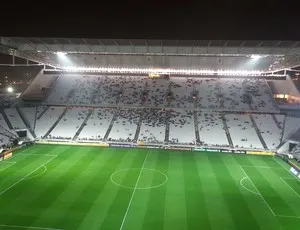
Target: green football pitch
[(51, 187)]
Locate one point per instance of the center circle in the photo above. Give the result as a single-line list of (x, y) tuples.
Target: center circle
[(147, 178)]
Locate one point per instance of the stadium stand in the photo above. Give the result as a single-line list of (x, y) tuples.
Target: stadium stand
[(217, 112), (132, 91), (125, 125), (182, 92), (157, 90), (211, 129), (69, 124), (234, 95), (44, 123), (153, 126), (292, 124), (242, 131), (97, 125), (182, 127), (268, 129), (14, 118)]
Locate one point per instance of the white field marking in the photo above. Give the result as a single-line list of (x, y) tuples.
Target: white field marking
[(289, 178), (134, 189), (258, 192), (45, 170), (129, 187), (28, 227), (8, 162), (298, 217), (26, 176), (290, 187), (263, 167), (241, 183), (36, 154), (285, 168)]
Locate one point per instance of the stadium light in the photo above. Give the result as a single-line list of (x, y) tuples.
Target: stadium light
[(10, 89), (61, 54), (255, 56), (164, 71)]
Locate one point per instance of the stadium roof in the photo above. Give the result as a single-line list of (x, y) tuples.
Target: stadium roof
[(140, 46)]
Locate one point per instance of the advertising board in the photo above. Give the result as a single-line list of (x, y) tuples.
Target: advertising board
[(260, 153), (219, 150), (122, 145), (7, 155), (294, 171), (179, 148)]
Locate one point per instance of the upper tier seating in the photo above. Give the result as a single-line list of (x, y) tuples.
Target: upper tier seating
[(133, 89), (182, 92), (233, 95), (157, 91), (211, 94)]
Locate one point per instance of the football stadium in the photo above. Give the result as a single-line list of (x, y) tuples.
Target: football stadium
[(127, 134)]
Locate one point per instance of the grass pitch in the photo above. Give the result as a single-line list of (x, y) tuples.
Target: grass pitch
[(49, 187)]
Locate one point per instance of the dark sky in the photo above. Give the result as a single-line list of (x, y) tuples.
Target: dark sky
[(177, 19)]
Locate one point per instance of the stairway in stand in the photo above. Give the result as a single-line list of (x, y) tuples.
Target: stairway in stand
[(258, 132), (56, 122), (25, 122), (276, 121), (167, 132), (137, 132), (225, 126), (197, 134), (83, 124), (111, 125), (42, 113), (6, 119)]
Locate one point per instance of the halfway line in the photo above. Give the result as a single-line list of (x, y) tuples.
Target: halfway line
[(136, 184)]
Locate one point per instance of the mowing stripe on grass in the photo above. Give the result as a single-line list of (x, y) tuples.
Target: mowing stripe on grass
[(284, 168), (290, 187), (28, 227), (258, 192), (137, 181), (23, 178)]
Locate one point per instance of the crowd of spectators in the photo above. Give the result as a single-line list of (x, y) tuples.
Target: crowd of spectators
[(161, 103)]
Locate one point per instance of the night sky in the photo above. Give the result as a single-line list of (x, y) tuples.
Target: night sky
[(218, 20)]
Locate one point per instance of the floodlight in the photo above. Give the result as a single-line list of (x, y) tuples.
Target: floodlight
[(61, 54), (10, 89), (255, 56)]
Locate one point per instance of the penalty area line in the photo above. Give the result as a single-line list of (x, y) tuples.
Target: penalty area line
[(23, 178), (241, 183), (297, 194), (262, 167), (258, 192), (28, 227), (297, 217)]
